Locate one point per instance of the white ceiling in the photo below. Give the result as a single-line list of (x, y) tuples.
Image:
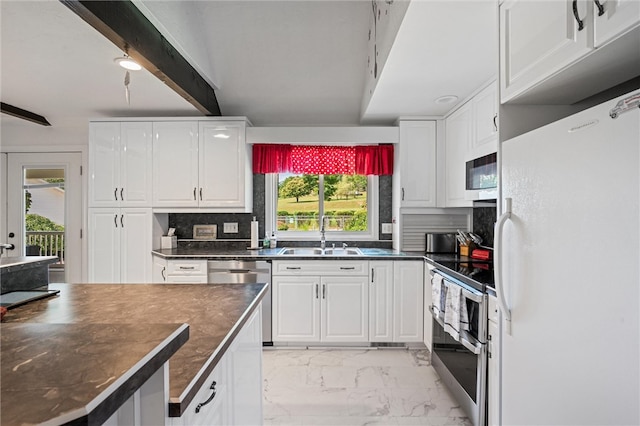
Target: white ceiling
[(280, 63)]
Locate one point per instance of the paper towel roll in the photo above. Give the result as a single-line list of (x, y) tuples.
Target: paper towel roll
[(254, 234)]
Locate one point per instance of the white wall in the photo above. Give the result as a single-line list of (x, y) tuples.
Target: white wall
[(16, 136)]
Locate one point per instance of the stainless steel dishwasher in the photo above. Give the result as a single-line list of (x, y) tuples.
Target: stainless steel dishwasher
[(245, 272)]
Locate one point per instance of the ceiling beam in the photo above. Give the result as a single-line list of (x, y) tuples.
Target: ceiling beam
[(23, 114), (124, 24)]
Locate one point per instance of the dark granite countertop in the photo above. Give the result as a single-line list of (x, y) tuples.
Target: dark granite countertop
[(274, 254), (109, 362), (215, 314), (23, 262)]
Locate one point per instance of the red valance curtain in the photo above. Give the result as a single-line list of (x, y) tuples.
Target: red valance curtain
[(362, 160)]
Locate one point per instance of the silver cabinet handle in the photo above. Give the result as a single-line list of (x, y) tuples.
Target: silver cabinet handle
[(402, 194), (115, 220), (202, 404), (347, 268), (121, 196), (115, 194), (600, 7), (293, 267), (495, 122), (121, 220), (200, 194), (316, 291), (187, 267), (164, 277), (372, 274), (194, 194), (324, 291)]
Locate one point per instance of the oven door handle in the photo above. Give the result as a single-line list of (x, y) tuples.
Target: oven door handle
[(465, 338)]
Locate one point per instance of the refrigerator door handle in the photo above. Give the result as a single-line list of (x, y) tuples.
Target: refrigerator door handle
[(497, 263)]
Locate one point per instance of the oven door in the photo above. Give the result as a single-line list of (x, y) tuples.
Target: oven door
[(461, 363)]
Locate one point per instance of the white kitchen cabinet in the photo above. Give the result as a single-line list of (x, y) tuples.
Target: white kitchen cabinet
[(175, 164), (485, 122), (120, 245), (458, 140), (537, 39), (234, 385), (296, 308), (408, 295), (202, 164), (548, 57), (320, 301), (120, 164), (179, 271), (493, 365), (381, 301), (617, 17), (225, 173), (417, 169)]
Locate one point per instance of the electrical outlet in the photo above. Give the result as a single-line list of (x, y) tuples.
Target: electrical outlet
[(231, 227), (387, 228)]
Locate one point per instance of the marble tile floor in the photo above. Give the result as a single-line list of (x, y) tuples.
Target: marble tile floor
[(355, 387)]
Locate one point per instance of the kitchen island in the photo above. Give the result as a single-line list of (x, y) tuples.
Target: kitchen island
[(216, 315), (24, 272)]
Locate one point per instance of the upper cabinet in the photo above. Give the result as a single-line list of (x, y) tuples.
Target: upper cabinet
[(541, 41), (458, 143), (417, 163), (120, 164), (204, 165), (485, 122)]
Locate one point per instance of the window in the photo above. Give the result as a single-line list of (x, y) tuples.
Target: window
[(296, 202)]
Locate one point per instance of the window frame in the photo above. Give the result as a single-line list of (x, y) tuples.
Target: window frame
[(271, 205)]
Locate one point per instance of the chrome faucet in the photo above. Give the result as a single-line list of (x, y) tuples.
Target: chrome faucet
[(323, 242)]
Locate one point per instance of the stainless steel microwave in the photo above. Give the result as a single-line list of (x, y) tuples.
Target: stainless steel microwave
[(482, 178)]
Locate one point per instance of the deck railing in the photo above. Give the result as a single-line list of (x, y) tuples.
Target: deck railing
[(45, 243)]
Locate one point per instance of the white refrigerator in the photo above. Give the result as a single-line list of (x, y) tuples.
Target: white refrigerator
[(568, 270)]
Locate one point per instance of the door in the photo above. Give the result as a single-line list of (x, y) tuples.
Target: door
[(381, 301), (538, 38), (175, 164), (344, 309), (551, 175), (408, 288), (616, 17), (221, 165), (418, 163), (44, 209), (296, 309)]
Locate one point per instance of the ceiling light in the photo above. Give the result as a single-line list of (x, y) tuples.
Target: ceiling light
[(447, 99), (127, 63)]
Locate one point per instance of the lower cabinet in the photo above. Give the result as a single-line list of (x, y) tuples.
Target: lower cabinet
[(396, 301), (232, 394), (332, 307), (119, 245), (428, 317)]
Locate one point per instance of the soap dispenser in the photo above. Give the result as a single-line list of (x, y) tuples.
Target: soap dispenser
[(273, 241)]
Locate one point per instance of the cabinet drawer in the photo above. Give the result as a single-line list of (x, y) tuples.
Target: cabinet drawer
[(187, 267), (321, 267), (214, 412), (186, 279), (493, 308)]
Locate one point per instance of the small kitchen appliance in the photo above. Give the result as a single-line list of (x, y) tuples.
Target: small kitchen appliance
[(441, 243)]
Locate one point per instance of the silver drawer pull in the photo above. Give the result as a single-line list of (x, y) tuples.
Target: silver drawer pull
[(293, 267), (347, 268), (187, 267)]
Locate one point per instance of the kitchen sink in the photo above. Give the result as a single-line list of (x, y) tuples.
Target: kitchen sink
[(314, 251)]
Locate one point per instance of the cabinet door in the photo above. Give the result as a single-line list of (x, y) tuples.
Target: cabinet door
[(104, 164), (344, 309), (135, 245), (428, 318), (135, 172), (159, 269), (539, 38), (381, 301), (485, 117), (493, 375), (618, 17), (296, 309), (175, 164), (104, 245), (459, 133), (408, 288), (223, 154), (217, 411), (418, 163)]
